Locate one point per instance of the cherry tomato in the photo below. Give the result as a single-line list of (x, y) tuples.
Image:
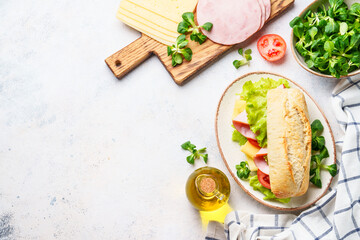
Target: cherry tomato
[(263, 179), (253, 142), (272, 47)]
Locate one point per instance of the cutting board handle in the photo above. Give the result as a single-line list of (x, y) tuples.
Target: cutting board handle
[(131, 56)]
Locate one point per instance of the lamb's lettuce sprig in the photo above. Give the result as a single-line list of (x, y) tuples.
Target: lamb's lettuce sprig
[(178, 51), (188, 25)]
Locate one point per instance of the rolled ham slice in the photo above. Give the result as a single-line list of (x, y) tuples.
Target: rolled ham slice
[(262, 152), (233, 21), (245, 131), (261, 164), (282, 86), (241, 124), (242, 118)]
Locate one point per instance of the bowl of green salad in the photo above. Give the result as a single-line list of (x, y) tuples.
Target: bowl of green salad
[(325, 38)]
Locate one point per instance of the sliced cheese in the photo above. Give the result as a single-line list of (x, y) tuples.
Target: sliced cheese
[(171, 9), (143, 15), (249, 149), (239, 107), (156, 18), (163, 37), (251, 163)]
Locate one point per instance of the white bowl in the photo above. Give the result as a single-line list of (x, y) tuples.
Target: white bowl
[(296, 54)]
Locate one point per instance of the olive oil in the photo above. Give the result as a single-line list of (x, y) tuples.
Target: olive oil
[(208, 189)]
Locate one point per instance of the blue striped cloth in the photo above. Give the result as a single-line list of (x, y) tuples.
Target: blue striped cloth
[(337, 214)]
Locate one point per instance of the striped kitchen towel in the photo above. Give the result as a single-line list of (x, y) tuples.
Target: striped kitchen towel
[(337, 214)]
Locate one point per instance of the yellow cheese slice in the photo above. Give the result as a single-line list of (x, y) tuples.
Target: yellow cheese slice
[(163, 36), (143, 15), (171, 9), (249, 149), (251, 163), (156, 18), (238, 108)]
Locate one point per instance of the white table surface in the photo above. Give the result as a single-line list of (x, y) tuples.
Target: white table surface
[(86, 156)]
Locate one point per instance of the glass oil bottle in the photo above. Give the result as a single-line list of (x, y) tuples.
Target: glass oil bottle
[(208, 189)]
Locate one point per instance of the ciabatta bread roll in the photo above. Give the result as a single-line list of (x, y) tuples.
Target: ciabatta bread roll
[(289, 142)]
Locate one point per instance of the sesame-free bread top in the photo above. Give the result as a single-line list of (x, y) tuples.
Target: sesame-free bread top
[(289, 142)]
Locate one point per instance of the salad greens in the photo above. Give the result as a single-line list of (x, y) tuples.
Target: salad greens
[(329, 38), (243, 170), (178, 51), (320, 152), (246, 58), (238, 137), (256, 185), (188, 25), (195, 154), (254, 93)]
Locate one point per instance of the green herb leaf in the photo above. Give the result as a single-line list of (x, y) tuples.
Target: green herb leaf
[(248, 51), (188, 18), (329, 47), (247, 57), (295, 21), (316, 180), (198, 37), (313, 31), (243, 170), (188, 146), (195, 154), (343, 28), (183, 27), (207, 26), (169, 51), (317, 143), (187, 53), (355, 9), (332, 169), (188, 25), (316, 128), (178, 51)]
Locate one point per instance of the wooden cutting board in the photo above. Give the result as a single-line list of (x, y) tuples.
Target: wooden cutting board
[(138, 51)]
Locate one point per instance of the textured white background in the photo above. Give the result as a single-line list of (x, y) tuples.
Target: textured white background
[(86, 156)]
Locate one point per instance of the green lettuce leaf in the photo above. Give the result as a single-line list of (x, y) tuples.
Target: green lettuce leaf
[(254, 182), (238, 137), (255, 96)]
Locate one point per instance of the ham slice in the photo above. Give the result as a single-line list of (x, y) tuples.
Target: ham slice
[(262, 164), (263, 14), (242, 118), (262, 152), (267, 5), (241, 124), (282, 86), (245, 131), (233, 21)]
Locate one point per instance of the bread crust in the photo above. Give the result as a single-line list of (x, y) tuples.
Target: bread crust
[(289, 142)]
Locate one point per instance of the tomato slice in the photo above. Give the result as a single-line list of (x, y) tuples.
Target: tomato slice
[(253, 142), (263, 179), (272, 47)]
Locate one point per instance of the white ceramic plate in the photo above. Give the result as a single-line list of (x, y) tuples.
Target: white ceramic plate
[(231, 154)]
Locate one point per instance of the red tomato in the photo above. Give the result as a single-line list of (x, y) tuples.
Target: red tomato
[(263, 179), (253, 142), (272, 47)]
